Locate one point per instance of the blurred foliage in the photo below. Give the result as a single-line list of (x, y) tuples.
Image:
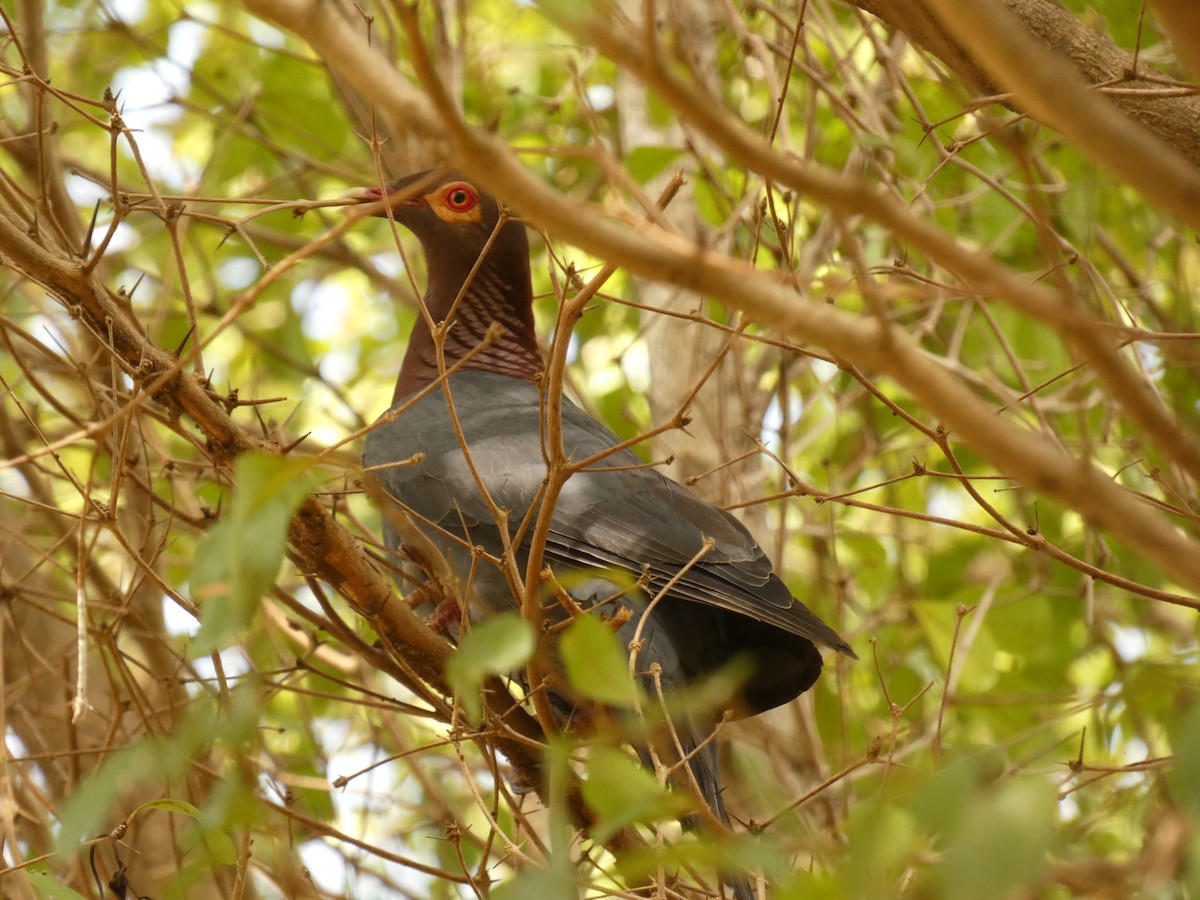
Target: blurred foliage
[(1015, 728)]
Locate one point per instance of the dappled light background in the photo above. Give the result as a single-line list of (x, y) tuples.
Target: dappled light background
[(1021, 717)]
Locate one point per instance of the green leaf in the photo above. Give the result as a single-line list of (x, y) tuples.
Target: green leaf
[(219, 843), (977, 672), (622, 792), (709, 854), (238, 560), (164, 758), (1184, 776), (554, 883), (497, 645), (707, 203), (644, 163), (48, 887), (596, 664), (221, 846), (976, 865), (885, 835), (168, 804)]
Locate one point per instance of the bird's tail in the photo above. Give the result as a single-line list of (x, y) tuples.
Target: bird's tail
[(688, 739), (701, 759), (702, 763)]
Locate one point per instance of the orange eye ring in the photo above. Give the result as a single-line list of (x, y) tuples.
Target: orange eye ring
[(460, 198)]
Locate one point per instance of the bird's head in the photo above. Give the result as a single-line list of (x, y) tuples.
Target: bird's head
[(442, 209), (477, 261)]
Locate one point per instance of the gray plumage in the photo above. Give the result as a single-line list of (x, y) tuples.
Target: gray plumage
[(631, 518), (613, 524)]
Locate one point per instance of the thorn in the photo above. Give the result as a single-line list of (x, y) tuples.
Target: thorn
[(187, 337), (87, 240), (296, 443), (262, 423)]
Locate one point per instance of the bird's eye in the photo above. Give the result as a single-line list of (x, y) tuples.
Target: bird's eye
[(460, 198)]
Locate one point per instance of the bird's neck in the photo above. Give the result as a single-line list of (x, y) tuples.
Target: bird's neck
[(500, 295)]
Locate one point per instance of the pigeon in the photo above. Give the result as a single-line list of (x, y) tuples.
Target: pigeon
[(620, 534)]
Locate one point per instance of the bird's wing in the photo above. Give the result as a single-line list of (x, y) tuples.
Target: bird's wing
[(628, 517)]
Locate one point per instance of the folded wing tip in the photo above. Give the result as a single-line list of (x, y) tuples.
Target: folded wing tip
[(845, 649)]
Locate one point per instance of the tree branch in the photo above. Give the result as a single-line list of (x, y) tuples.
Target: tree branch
[(1174, 120), (1031, 459), (1181, 21), (321, 544), (1049, 88)]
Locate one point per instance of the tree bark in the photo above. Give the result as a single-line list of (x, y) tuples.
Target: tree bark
[(1174, 119), (682, 351)]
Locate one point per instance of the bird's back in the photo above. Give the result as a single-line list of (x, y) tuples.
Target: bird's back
[(618, 515)]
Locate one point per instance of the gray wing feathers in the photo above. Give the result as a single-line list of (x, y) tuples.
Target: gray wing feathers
[(631, 519)]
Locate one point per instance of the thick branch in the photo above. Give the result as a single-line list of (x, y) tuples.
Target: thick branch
[(1181, 21), (977, 270), (321, 544), (1174, 120), (1048, 87)]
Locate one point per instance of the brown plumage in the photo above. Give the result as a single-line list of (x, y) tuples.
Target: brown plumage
[(454, 222)]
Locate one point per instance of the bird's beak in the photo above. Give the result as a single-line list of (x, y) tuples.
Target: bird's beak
[(398, 194)]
